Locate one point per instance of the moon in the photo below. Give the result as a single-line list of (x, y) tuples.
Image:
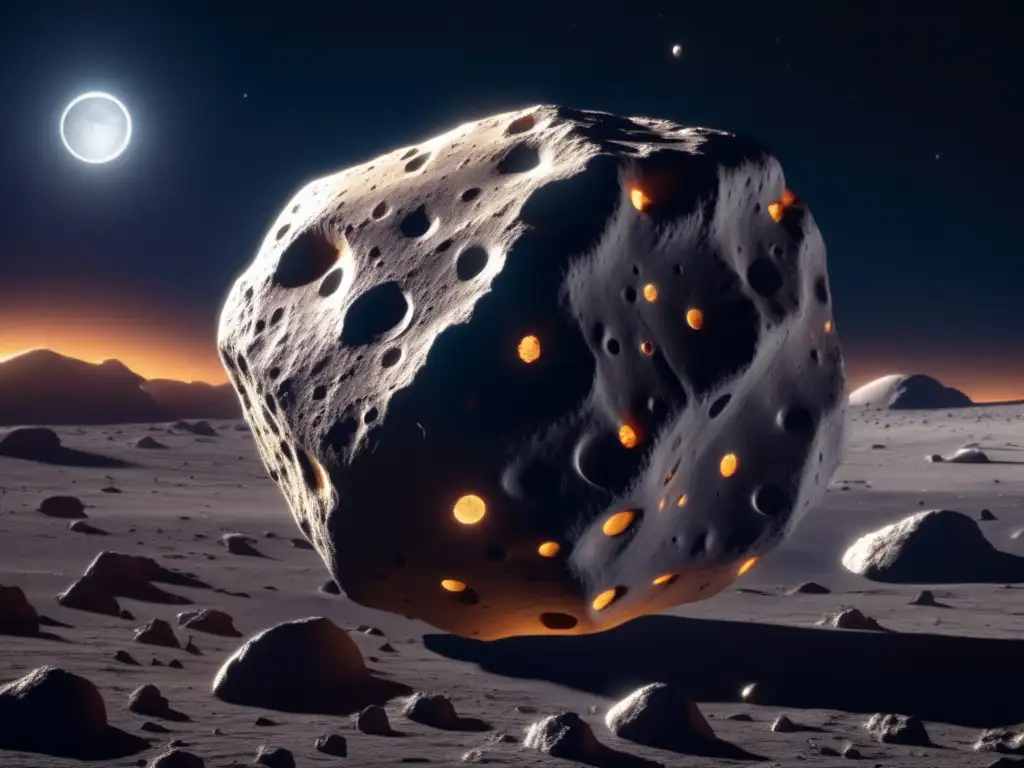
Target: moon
[(677, 50), (95, 127)]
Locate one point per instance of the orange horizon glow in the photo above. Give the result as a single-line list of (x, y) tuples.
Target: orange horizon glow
[(157, 344)]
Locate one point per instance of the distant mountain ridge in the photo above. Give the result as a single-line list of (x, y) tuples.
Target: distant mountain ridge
[(45, 387), (900, 391)]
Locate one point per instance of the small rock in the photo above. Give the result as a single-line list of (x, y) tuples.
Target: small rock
[(209, 620), (565, 735), (177, 758), (783, 724), (924, 597), (986, 515), (157, 632), (1008, 741), (239, 544), (526, 709), (851, 618), (373, 720), (433, 709), (277, 757), (368, 630), (148, 701), (741, 717), (300, 544), (175, 664), (660, 716), (264, 722), (850, 752), (125, 658), (898, 729), (17, 614), (80, 526), (154, 728), (330, 587), (67, 507), (127, 615), (810, 588), (332, 744)]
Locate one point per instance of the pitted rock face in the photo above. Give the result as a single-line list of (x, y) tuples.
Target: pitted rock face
[(544, 373)]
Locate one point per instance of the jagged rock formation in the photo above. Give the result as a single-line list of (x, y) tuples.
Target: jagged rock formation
[(481, 365), (908, 392)]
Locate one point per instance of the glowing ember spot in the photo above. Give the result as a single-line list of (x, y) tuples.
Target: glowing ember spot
[(627, 436), (681, 501), (647, 348), (661, 503), (470, 509), (640, 201), (729, 465), (747, 565), (453, 585), (695, 318), (667, 578), (617, 523), (828, 326), (651, 292), (549, 549), (529, 349), (778, 208), (605, 599)]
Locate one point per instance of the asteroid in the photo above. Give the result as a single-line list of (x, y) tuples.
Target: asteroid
[(935, 547), (506, 354), (310, 665)]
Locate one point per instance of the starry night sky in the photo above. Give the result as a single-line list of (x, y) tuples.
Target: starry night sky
[(899, 124)]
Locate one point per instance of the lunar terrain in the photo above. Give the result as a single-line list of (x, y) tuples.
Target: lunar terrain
[(954, 660)]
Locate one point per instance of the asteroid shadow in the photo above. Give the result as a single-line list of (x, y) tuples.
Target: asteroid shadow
[(281, 695), (967, 681), (111, 744), (67, 457)]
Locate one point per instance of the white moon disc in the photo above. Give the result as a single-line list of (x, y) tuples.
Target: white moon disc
[(677, 50), (95, 127)]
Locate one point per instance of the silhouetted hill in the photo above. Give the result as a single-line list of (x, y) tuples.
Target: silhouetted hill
[(900, 392), (44, 387)]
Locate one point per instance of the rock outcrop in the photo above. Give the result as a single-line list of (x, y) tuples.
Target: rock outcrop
[(511, 345), (908, 392), (938, 546)]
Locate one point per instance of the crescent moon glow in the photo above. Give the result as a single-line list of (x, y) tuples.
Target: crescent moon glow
[(95, 127)]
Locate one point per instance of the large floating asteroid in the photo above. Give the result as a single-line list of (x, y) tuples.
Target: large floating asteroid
[(544, 373)]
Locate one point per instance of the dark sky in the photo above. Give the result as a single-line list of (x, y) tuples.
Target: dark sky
[(899, 123)]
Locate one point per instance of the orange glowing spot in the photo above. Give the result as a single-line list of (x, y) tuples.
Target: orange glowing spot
[(661, 503), (640, 201), (549, 549), (469, 509), (605, 599), (681, 501), (647, 348), (651, 292), (828, 326), (617, 523), (747, 565), (729, 465), (529, 349), (778, 208), (627, 436), (695, 318), (453, 585), (666, 578)]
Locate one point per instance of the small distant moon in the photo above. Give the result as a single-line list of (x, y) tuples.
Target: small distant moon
[(677, 50), (95, 127)]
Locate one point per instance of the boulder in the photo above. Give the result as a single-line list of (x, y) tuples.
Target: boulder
[(17, 615), (68, 507), (491, 356), (309, 665), (566, 735), (898, 729), (661, 716), (55, 712), (210, 621), (938, 546), (157, 632)]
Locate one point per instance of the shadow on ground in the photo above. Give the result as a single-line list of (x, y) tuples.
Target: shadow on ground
[(961, 680)]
